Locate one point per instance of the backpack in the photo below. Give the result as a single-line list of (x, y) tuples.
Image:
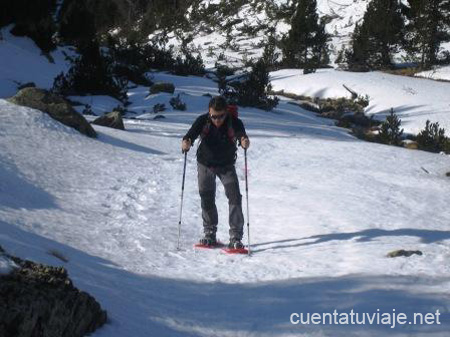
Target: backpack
[(233, 113)]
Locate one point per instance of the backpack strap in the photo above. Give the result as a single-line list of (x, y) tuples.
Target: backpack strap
[(206, 128), (230, 130)]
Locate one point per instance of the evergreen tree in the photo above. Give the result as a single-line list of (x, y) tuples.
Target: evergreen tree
[(76, 23), (429, 24), (305, 44), (254, 91), (31, 18), (91, 73), (270, 56), (379, 35), (433, 138), (390, 132)]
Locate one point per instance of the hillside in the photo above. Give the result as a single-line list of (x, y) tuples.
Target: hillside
[(319, 237), (240, 30), (325, 208)]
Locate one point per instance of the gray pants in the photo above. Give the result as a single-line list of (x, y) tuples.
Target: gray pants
[(207, 188)]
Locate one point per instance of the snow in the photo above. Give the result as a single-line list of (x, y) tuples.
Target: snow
[(414, 99), (325, 209), (23, 62), (99, 104), (439, 73), (6, 265)]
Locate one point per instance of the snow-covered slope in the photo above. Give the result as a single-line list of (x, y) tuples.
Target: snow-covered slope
[(439, 73), (6, 265), (22, 62), (414, 100), (242, 33), (325, 209)]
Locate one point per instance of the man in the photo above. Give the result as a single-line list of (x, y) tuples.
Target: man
[(216, 155)]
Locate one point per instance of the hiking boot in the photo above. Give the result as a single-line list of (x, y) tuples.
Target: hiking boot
[(208, 240), (235, 244)]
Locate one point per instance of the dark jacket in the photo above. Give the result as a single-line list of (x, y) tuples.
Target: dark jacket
[(216, 147)]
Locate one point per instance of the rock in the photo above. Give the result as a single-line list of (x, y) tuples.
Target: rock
[(39, 300), (55, 106), (448, 174), (159, 117), (111, 120), (162, 87), (402, 252)]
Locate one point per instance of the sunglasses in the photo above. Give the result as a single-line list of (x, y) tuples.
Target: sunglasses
[(218, 117)]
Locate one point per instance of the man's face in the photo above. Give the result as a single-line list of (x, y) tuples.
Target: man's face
[(217, 116)]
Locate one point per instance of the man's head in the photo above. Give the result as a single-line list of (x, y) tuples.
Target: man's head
[(218, 110)]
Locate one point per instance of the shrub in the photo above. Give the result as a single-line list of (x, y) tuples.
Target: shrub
[(31, 18), (222, 71), (162, 87), (390, 132), (254, 90), (433, 138), (91, 73), (159, 107), (88, 110), (189, 65), (342, 105), (177, 103), (120, 109), (141, 56), (132, 74)]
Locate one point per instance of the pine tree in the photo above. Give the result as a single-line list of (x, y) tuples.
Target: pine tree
[(305, 44), (433, 138), (77, 23), (270, 56), (254, 91), (379, 35), (31, 18), (358, 56), (429, 24), (390, 132)]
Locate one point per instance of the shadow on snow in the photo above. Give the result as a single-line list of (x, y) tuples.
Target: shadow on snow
[(144, 305)]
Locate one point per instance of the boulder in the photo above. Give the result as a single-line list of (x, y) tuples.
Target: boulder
[(55, 106), (111, 120), (39, 300), (162, 87)]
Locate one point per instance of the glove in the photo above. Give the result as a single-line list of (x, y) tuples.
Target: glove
[(245, 143), (185, 145)]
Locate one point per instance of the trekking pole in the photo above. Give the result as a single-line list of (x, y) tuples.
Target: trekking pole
[(181, 206), (246, 192)]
